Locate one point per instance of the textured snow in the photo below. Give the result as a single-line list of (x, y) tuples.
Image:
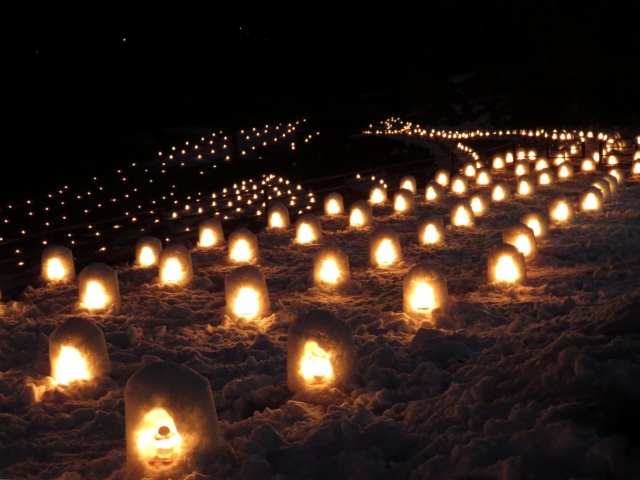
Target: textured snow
[(536, 381)]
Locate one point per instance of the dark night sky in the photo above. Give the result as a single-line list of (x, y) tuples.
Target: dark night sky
[(75, 86)]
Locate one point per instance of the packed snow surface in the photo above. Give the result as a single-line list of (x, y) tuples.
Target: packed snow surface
[(538, 381)]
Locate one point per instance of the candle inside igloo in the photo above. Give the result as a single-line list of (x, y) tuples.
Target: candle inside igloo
[(148, 251), (361, 215), (525, 186), (461, 214), (545, 177), (537, 222), (505, 265), (591, 200), (561, 211), (430, 229), (78, 351), (459, 185), (243, 246), (425, 292), (57, 263), (278, 216), (521, 167), (501, 192), (408, 182), (384, 247), (210, 233), (175, 264), (604, 187), (588, 165), (484, 177), (479, 204), (246, 293), (320, 352), (443, 177), (171, 420), (403, 201), (331, 267), (333, 204), (98, 287), (565, 171), (378, 195), (434, 192), (308, 230)]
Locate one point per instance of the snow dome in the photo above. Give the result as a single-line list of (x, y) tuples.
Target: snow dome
[(565, 171), (618, 173), (175, 264), (635, 166), (560, 158), (430, 229), (408, 182), (537, 222), (505, 265), (532, 153), (148, 251), (459, 185), (331, 267), (605, 188), (522, 237), (612, 160), (98, 287), (461, 214), (521, 153), (170, 419), (484, 177), (525, 185), (501, 192), (377, 195), (333, 204), (403, 201), (509, 158), (210, 233), (361, 215), (545, 177), (434, 192), (278, 215), (443, 177), (320, 351), (591, 200), (246, 293), (384, 247), (498, 163), (588, 165), (521, 167), (243, 246), (424, 292), (479, 204), (561, 211), (541, 164), (308, 230), (469, 169), (78, 351), (57, 263)]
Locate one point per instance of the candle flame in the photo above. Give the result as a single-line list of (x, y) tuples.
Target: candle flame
[(207, 238), (590, 202), (329, 272), (476, 205), (246, 303), (95, 296), (332, 207), (431, 234), (386, 254), (172, 271), (498, 193), (315, 366), (377, 196), (442, 179), (276, 220), (458, 186), (241, 251), (55, 270), (305, 234), (523, 244), (400, 205), (562, 212), (149, 426), (431, 193), (147, 257), (461, 217), (534, 225), (356, 218), (70, 366), (506, 270), (423, 298)]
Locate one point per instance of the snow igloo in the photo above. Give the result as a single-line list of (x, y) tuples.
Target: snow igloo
[(333, 204), (384, 247), (484, 177), (537, 222), (210, 233), (545, 177), (522, 237), (57, 264), (469, 169), (246, 293), (243, 246), (98, 287), (565, 171), (430, 229), (331, 267), (461, 214), (443, 177), (434, 192), (459, 184), (278, 216), (408, 182), (525, 185), (308, 229), (378, 195), (403, 201), (361, 215), (78, 351), (561, 211), (320, 352), (501, 192), (480, 204), (505, 265), (170, 420), (175, 264), (521, 167), (425, 292), (148, 251), (591, 200)]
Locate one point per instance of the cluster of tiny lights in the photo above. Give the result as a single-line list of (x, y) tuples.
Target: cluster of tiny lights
[(138, 196)]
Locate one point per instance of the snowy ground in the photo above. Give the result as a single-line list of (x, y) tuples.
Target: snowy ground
[(534, 382)]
